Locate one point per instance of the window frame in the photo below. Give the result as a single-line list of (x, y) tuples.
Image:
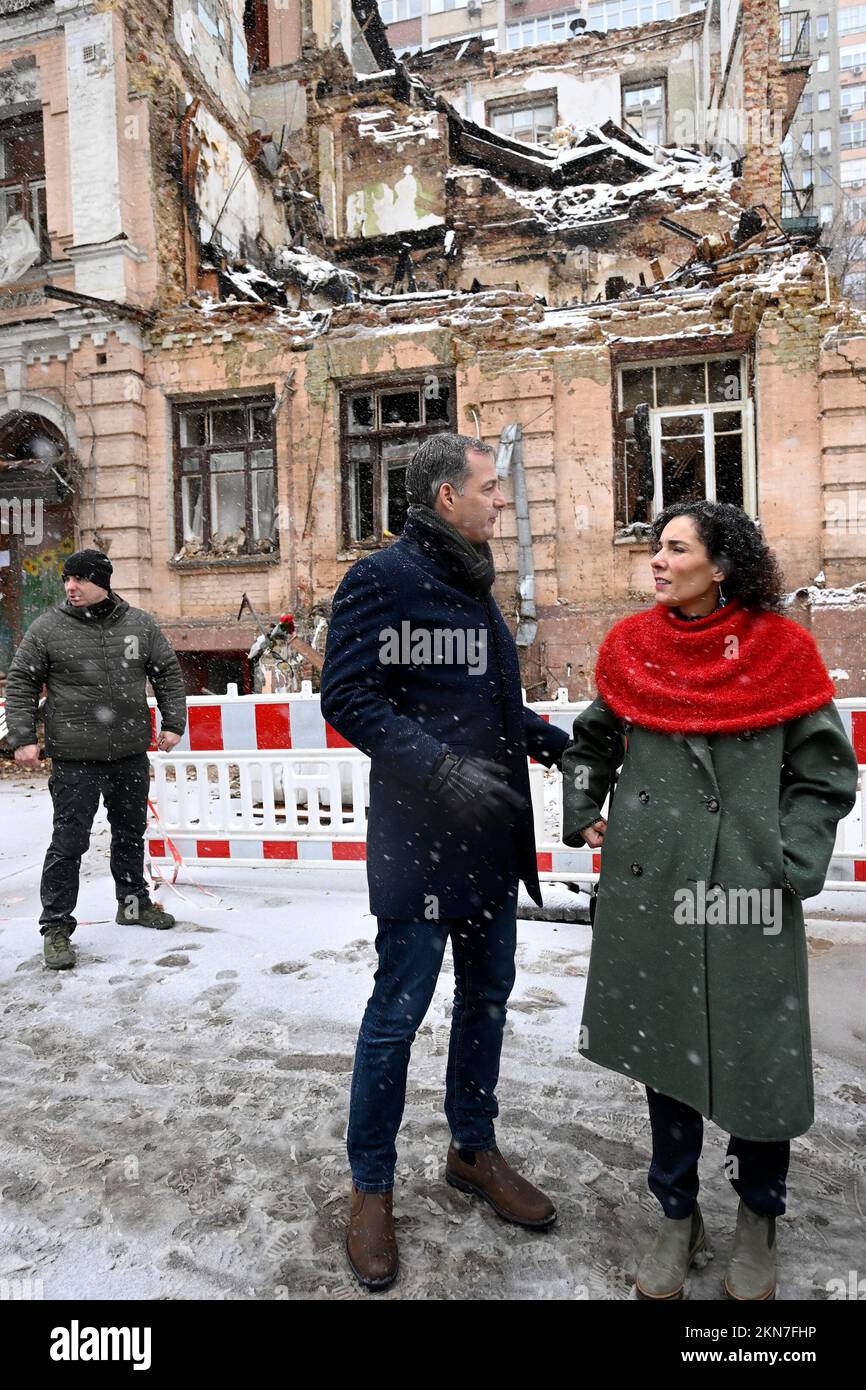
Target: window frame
[(660, 110), (850, 19), (23, 122), (383, 385), (413, 10), (850, 58), (618, 7), (739, 346), (515, 26), (179, 408), (852, 134), (521, 101)]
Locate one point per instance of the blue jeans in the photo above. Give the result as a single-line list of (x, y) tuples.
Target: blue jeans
[(410, 958), (757, 1168)]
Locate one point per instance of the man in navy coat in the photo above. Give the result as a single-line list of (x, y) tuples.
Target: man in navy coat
[(421, 672)]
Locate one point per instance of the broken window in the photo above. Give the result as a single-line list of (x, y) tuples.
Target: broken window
[(382, 426), (22, 187), (643, 108), (225, 478), (256, 31), (529, 117), (699, 437)]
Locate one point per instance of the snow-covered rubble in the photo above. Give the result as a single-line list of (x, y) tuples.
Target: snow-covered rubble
[(854, 596), (383, 127), (585, 204)]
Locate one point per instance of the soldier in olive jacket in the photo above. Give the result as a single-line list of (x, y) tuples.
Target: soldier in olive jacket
[(94, 653), (735, 771)]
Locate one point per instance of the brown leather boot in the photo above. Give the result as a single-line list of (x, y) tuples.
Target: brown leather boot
[(486, 1174), (371, 1245)]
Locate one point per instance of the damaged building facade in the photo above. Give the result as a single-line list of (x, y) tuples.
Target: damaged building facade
[(271, 258)]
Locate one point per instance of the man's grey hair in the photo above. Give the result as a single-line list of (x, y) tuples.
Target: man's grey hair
[(440, 459)]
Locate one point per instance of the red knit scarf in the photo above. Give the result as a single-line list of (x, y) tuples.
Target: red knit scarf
[(738, 668)]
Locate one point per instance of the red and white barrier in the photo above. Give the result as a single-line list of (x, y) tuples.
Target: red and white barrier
[(264, 778)]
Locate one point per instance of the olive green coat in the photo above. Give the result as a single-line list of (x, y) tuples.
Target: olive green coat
[(695, 990)]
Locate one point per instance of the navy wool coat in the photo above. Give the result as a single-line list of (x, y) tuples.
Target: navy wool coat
[(423, 863)]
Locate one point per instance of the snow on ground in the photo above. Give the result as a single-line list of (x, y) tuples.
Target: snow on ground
[(175, 1107)]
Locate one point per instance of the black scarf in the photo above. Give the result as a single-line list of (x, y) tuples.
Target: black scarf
[(473, 564)]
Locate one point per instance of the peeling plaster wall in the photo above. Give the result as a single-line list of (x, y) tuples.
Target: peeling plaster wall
[(222, 170), (392, 171), (396, 205), (211, 34), (280, 107), (164, 79)]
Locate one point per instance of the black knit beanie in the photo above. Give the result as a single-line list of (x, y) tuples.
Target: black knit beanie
[(89, 564)]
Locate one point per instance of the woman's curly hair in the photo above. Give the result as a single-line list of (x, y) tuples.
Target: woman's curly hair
[(735, 545)]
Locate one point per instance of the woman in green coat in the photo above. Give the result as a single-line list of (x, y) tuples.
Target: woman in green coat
[(735, 769)]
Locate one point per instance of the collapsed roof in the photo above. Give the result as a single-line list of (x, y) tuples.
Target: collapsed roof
[(598, 154)]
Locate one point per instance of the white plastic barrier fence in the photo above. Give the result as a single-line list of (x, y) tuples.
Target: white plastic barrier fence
[(264, 778)]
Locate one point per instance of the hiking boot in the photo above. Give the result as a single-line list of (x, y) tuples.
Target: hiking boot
[(57, 949), (752, 1270), (486, 1174), (141, 912), (371, 1244), (662, 1271)]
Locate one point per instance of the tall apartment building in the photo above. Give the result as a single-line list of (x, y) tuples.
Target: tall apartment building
[(824, 170), (414, 24)]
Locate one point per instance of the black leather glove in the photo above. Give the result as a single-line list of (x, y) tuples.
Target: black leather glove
[(475, 789)]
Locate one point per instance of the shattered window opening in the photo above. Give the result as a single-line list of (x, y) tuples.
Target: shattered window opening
[(22, 177), (530, 117), (696, 432), (382, 427), (225, 479), (643, 108)]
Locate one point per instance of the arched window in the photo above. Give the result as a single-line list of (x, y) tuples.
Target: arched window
[(32, 454), (25, 438)]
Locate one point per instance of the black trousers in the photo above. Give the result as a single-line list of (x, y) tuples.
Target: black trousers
[(757, 1170), (75, 791)]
